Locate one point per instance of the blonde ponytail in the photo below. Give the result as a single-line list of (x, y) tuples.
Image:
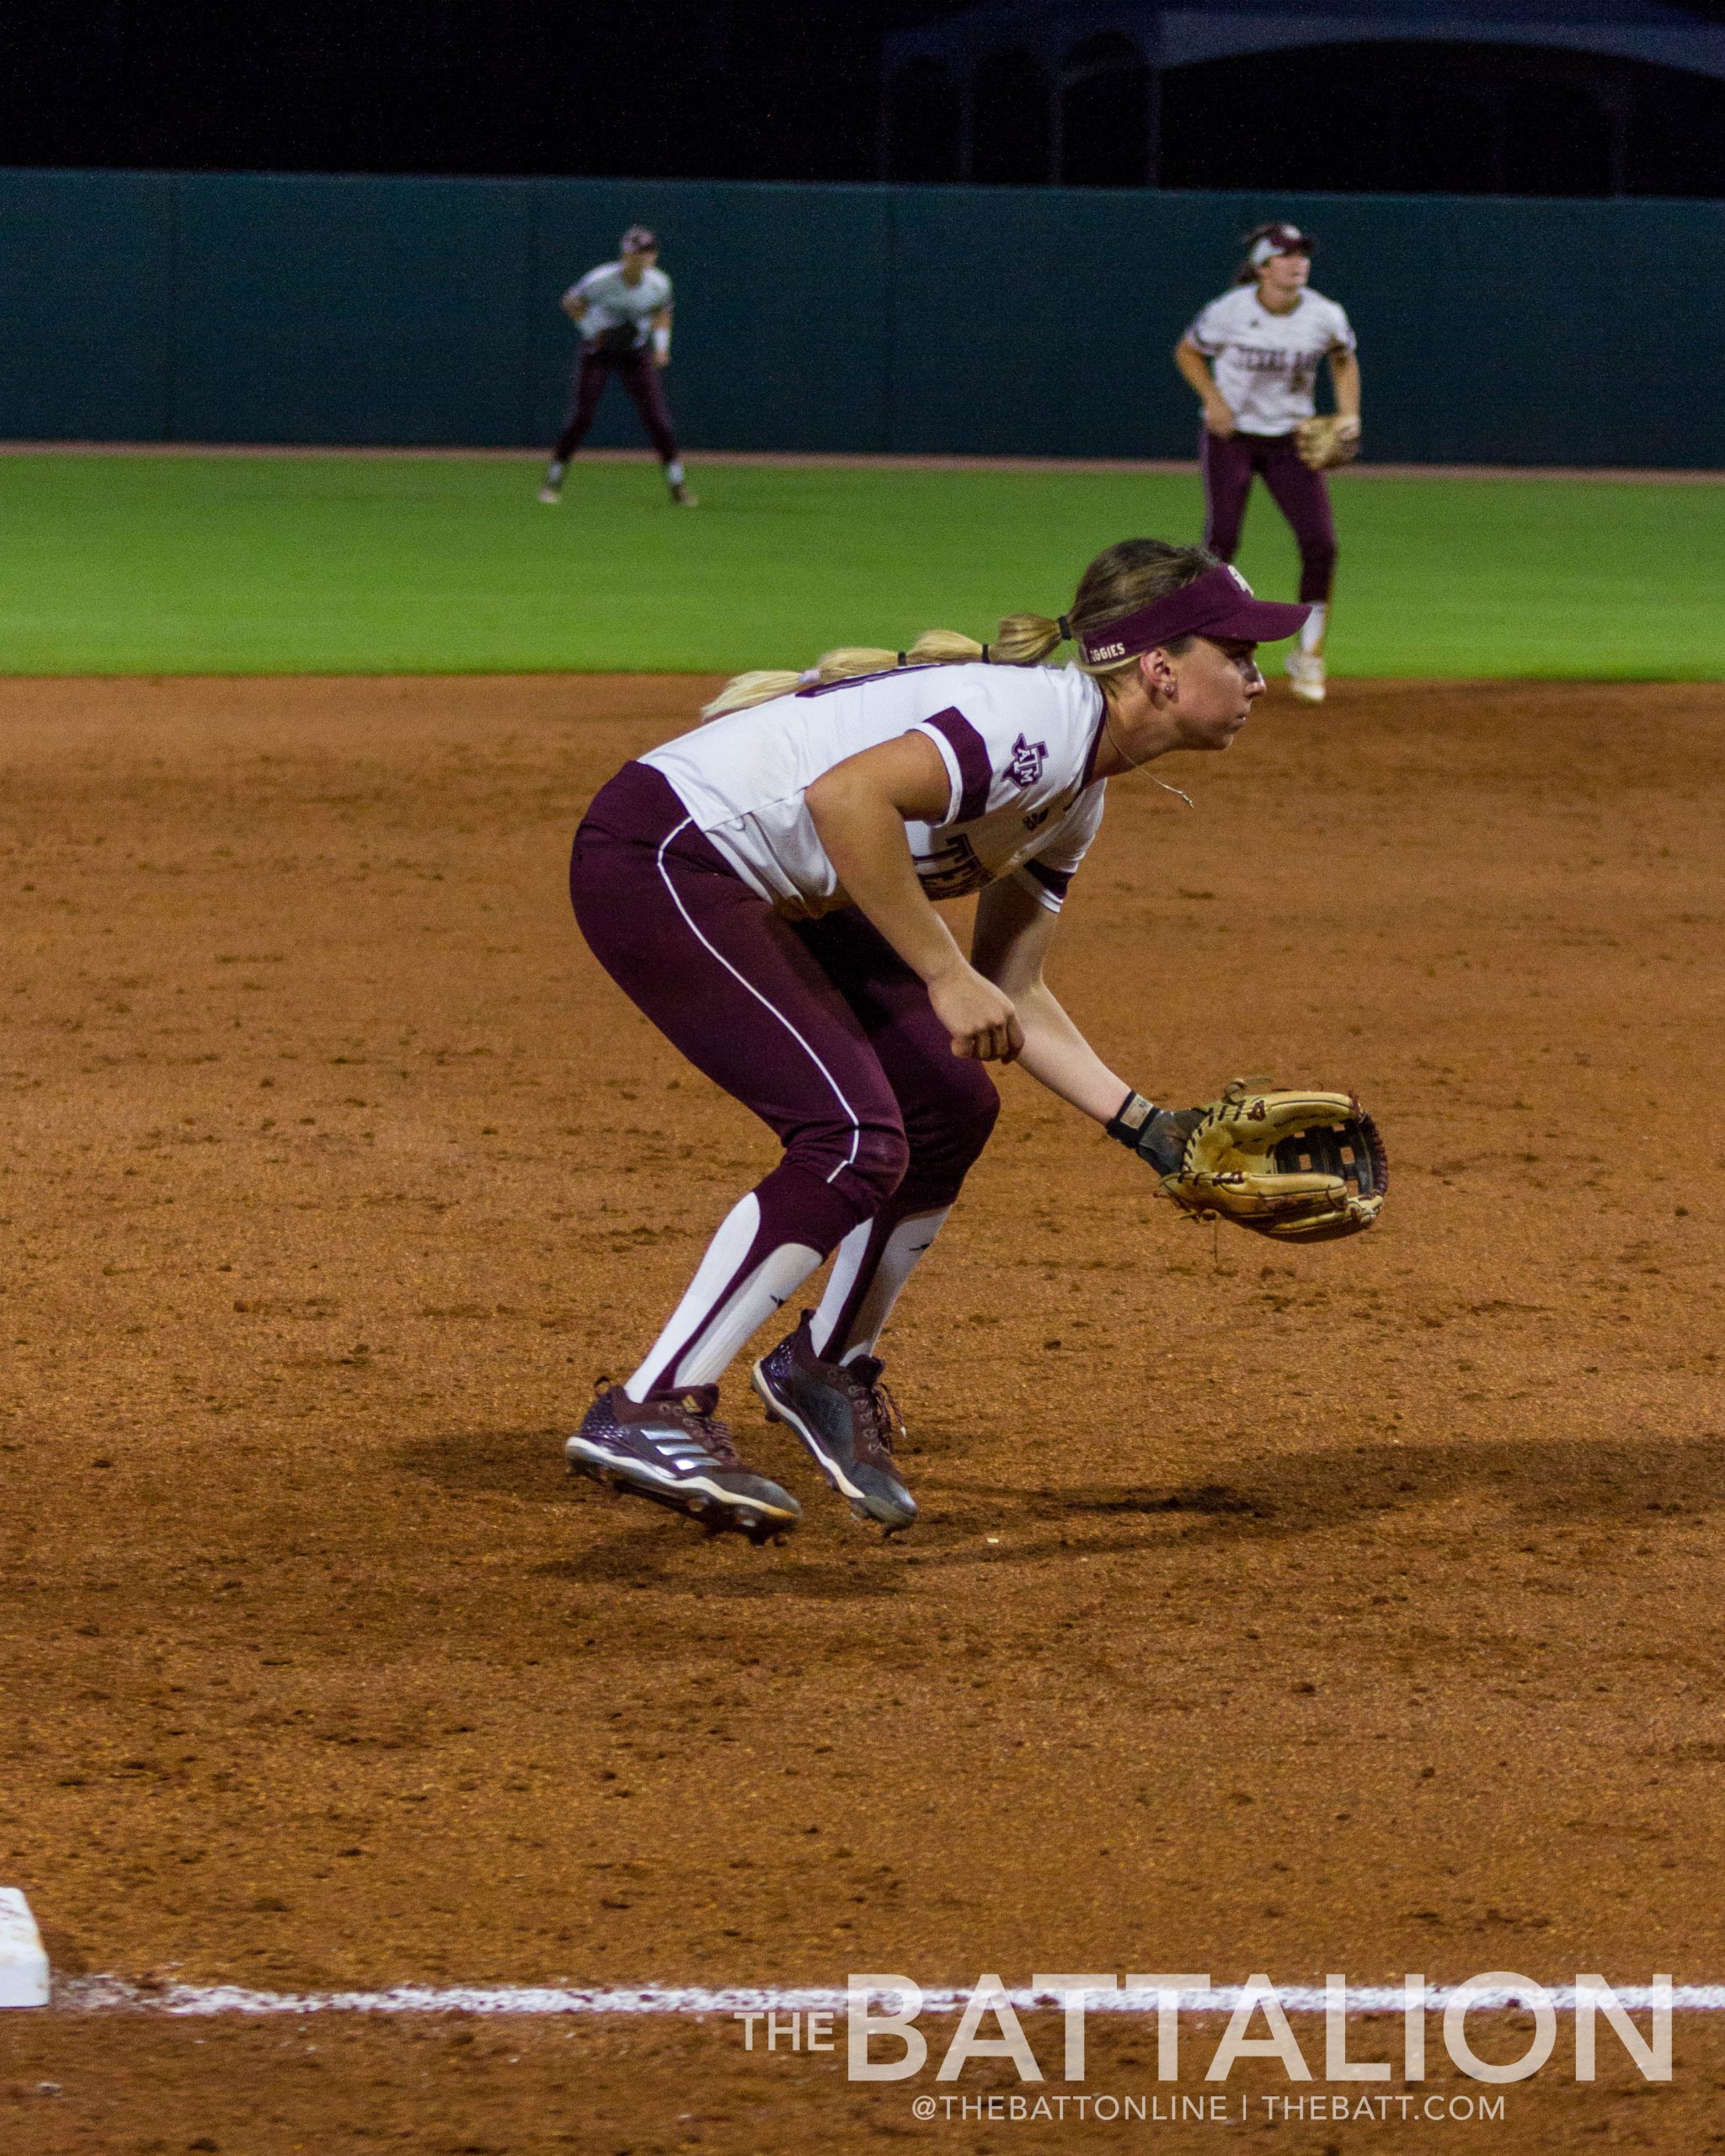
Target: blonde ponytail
[(1121, 579), (760, 687), (1023, 640), (1026, 640)]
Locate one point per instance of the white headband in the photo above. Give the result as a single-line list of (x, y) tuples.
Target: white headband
[(1266, 247)]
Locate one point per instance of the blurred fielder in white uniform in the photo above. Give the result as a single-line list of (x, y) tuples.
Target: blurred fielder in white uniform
[(622, 309), (1253, 356)]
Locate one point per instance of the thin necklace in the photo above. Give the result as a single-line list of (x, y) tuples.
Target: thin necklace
[(1133, 763)]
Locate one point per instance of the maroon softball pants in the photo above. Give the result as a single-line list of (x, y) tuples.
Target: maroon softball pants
[(638, 375), (819, 1025), (1229, 468)]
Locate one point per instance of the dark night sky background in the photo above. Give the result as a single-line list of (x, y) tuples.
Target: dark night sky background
[(772, 89)]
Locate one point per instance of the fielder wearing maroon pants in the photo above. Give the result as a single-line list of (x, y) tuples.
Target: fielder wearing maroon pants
[(764, 889), (1253, 356), (623, 312)]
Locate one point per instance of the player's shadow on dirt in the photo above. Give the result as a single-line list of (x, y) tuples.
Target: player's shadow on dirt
[(621, 1542), (1579, 1482), (1583, 1482), (525, 1464), (630, 1547)]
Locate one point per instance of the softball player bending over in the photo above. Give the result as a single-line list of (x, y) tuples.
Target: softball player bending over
[(622, 309), (1253, 356), (764, 889)]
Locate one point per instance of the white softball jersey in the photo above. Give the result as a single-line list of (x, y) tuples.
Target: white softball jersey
[(1266, 365), (1018, 743), (611, 304)]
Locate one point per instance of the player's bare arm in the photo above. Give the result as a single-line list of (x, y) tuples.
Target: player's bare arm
[(1009, 947), (661, 338), (1195, 370), (1344, 375), (860, 809)]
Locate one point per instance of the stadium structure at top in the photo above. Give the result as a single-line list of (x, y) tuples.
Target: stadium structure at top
[(1022, 90)]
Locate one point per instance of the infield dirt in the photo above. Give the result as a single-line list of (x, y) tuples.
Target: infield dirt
[(1351, 1609)]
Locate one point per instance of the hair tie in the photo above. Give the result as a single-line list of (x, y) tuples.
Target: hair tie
[(901, 658), (985, 655), (1065, 629)]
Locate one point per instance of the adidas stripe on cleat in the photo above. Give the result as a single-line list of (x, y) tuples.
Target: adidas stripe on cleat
[(674, 1451)]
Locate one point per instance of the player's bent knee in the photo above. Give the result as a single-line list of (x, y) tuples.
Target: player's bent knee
[(882, 1154), (862, 1167), (948, 1140)]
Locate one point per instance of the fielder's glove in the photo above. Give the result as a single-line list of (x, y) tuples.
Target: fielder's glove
[(1325, 443), (1302, 1167)]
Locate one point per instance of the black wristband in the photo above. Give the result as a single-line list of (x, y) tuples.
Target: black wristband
[(1130, 1120)]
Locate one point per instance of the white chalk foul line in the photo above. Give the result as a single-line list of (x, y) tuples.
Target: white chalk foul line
[(110, 1994)]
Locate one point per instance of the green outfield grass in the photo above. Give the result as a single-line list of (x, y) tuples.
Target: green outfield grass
[(252, 565)]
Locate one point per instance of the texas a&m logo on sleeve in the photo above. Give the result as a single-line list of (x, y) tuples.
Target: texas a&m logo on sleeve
[(1024, 765)]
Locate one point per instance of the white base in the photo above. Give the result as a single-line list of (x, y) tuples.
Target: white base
[(23, 1962)]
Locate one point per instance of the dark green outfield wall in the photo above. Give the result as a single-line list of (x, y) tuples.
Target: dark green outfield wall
[(198, 308)]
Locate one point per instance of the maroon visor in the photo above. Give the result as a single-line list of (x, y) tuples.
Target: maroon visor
[(1219, 605)]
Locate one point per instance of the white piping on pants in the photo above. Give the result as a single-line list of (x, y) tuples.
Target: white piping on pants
[(856, 1122)]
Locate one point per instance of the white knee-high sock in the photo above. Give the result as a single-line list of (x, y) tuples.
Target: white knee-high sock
[(871, 1266), (737, 1286), (1311, 629)]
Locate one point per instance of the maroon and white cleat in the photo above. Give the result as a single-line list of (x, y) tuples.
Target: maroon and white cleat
[(846, 1416), (673, 1450)]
